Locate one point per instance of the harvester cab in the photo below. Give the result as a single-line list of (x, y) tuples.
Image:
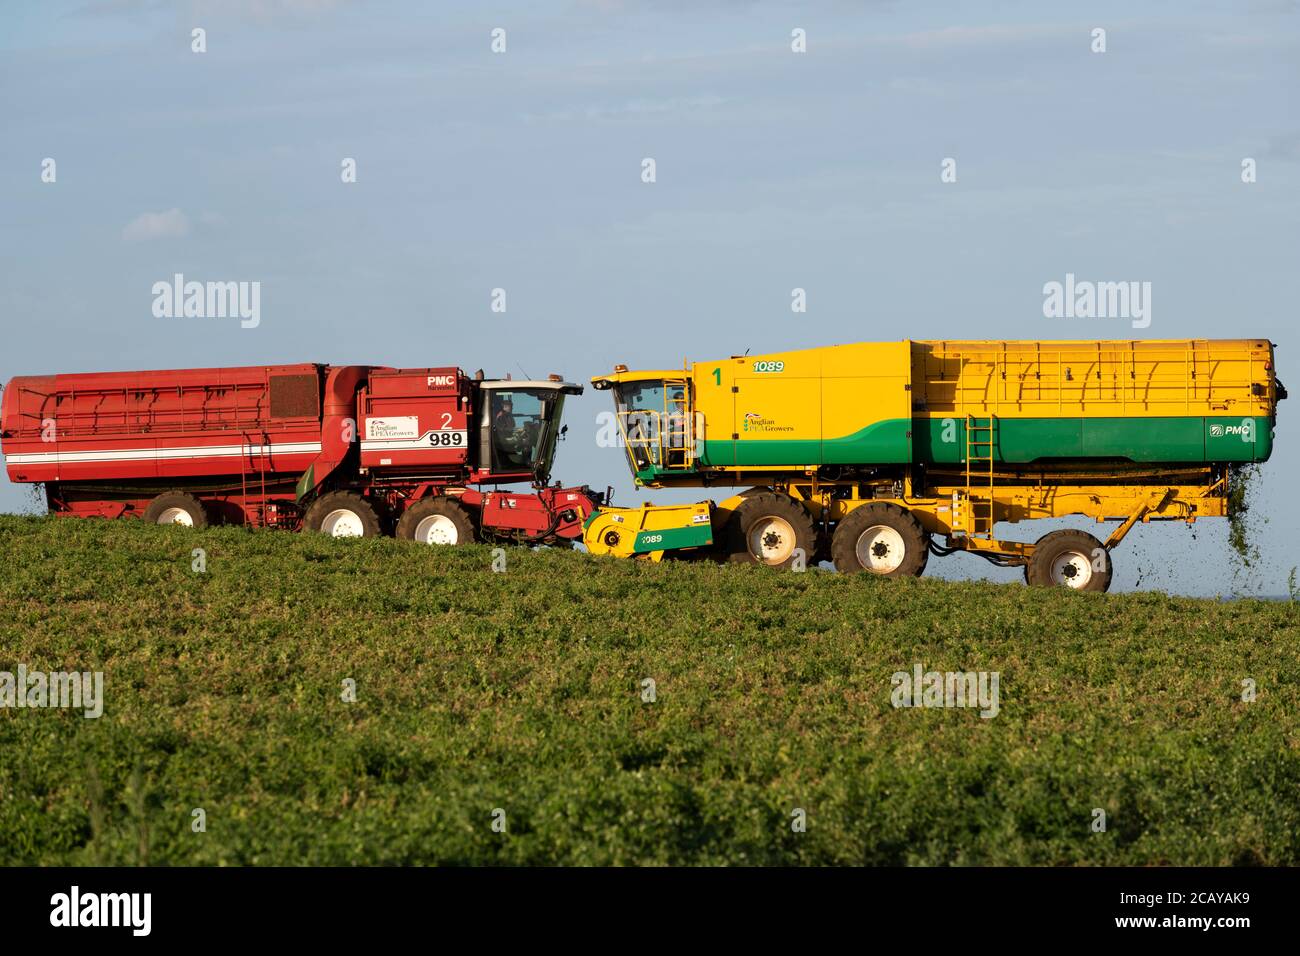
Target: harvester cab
[(655, 419), (519, 424), (657, 424)]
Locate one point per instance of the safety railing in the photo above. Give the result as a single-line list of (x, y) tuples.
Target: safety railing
[(1130, 375)]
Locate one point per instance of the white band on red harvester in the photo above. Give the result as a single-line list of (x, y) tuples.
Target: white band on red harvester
[(161, 454)]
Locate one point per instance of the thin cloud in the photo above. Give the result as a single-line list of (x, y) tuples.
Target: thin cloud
[(172, 224)]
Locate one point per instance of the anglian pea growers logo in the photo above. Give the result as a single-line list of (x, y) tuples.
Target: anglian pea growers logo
[(755, 422), (1245, 431)]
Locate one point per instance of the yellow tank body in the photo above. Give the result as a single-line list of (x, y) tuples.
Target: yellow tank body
[(1182, 401)]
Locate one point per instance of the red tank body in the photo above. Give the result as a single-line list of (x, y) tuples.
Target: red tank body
[(146, 425), (264, 445)]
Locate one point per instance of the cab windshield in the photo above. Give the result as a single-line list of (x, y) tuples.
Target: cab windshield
[(652, 416), (523, 425)]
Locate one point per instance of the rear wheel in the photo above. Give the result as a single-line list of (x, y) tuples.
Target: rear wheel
[(342, 514), (881, 538), (1071, 559), (177, 507), (436, 521), (768, 528)]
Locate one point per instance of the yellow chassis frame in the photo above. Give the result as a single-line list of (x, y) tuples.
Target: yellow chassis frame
[(945, 509)]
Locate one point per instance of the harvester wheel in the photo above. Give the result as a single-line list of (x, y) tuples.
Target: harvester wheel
[(342, 514), (767, 528), (1072, 559), (177, 507), (436, 520), (881, 538)]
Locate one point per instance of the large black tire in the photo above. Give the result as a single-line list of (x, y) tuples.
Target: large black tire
[(436, 521), (177, 507), (767, 528), (342, 514), (726, 530), (1072, 559), (881, 538)]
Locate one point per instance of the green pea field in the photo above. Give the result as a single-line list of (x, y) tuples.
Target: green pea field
[(279, 699)]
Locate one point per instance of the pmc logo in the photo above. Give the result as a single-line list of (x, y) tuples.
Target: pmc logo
[(1246, 430)]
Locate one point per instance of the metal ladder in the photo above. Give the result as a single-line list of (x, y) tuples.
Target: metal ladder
[(981, 441), (676, 433)]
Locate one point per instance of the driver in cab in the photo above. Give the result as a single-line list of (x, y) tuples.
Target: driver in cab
[(505, 432), (504, 420)]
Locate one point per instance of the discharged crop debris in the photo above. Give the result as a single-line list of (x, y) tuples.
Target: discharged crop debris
[(1243, 530)]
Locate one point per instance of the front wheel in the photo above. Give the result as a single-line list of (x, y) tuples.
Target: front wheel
[(436, 521), (770, 528), (1070, 559), (342, 514), (881, 538)]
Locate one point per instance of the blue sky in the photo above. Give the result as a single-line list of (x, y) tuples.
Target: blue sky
[(775, 170)]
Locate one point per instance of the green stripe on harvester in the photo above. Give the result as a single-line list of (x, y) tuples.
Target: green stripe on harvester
[(884, 442), (695, 536), (1191, 439), (1173, 439)]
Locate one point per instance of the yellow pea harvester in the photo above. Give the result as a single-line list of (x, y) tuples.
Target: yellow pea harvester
[(871, 453)]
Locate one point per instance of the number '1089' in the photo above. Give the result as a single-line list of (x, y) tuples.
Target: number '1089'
[(769, 366)]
